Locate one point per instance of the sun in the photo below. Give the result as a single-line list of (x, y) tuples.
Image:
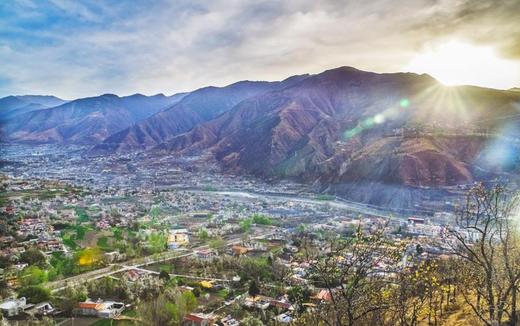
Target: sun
[(459, 63)]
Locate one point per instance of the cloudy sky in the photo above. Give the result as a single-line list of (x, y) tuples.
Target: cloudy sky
[(83, 48)]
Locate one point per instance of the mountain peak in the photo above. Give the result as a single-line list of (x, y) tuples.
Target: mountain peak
[(110, 95)]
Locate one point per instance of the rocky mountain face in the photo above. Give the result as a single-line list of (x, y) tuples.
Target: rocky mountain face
[(12, 106), (199, 106), (345, 127), (84, 121)]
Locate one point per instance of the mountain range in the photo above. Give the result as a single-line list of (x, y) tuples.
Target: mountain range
[(344, 130), (197, 107), (83, 121), (12, 106)]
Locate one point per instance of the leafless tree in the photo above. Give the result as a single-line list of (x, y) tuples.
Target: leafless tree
[(350, 271), (486, 240)]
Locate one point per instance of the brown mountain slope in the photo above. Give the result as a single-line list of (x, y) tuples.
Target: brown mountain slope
[(83, 121), (199, 106), (347, 126)]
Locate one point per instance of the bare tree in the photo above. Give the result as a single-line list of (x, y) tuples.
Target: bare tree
[(486, 240), (352, 274)]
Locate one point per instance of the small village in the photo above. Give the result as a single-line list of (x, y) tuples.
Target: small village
[(216, 257)]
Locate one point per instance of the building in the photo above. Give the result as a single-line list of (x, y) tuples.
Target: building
[(13, 307), (322, 295), (416, 220), (107, 309), (113, 256), (283, 318), (259, 302), (198, 319), (229, 321), (43, 309), (206, 255), (178, 238)]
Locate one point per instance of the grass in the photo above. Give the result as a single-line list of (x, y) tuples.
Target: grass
[(223, 293)]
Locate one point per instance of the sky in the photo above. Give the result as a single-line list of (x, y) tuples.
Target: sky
[(85, 48)]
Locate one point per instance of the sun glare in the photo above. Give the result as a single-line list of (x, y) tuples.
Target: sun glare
[(458, 63)]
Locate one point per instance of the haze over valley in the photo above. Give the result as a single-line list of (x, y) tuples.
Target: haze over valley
[(406, 137)]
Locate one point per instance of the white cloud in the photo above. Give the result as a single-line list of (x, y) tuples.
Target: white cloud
[(168, 46)]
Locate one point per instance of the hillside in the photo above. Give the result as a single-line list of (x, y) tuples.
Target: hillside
[(12, 106), (84, 121), (199, 106), (346, 127)]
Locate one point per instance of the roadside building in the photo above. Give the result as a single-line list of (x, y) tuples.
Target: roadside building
[(198, 319), (106, 309), (178, 238), (13, 307), (206, 255)]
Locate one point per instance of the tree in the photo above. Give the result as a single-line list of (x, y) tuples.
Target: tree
[(254, 268), (154, 212), (246, 224), (71, 296), (35, 294), (299, 295), (164, 275), (63, 265), (252, 321), (217, 243), (88, 257), (33, 257), (261, 219), (417, 295), (167, 308), (33, 275), (157, 242), (203, 234), (190, 301), (356, 289), (487, 242), (254, 290), (158, 311)]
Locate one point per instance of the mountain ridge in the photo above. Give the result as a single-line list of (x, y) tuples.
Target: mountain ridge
[(199, 106), (324, 130), (85, 120)]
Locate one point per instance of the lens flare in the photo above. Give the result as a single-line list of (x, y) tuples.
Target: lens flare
[(502, 152), (379, 118), (404, 103)]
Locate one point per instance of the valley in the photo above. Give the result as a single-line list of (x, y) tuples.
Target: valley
[(240, 202)]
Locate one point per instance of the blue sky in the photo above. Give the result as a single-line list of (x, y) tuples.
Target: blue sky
[(82, 48)]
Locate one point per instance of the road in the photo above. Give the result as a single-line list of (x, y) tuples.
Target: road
[(178, 275), (336, 203), (137, 263)]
